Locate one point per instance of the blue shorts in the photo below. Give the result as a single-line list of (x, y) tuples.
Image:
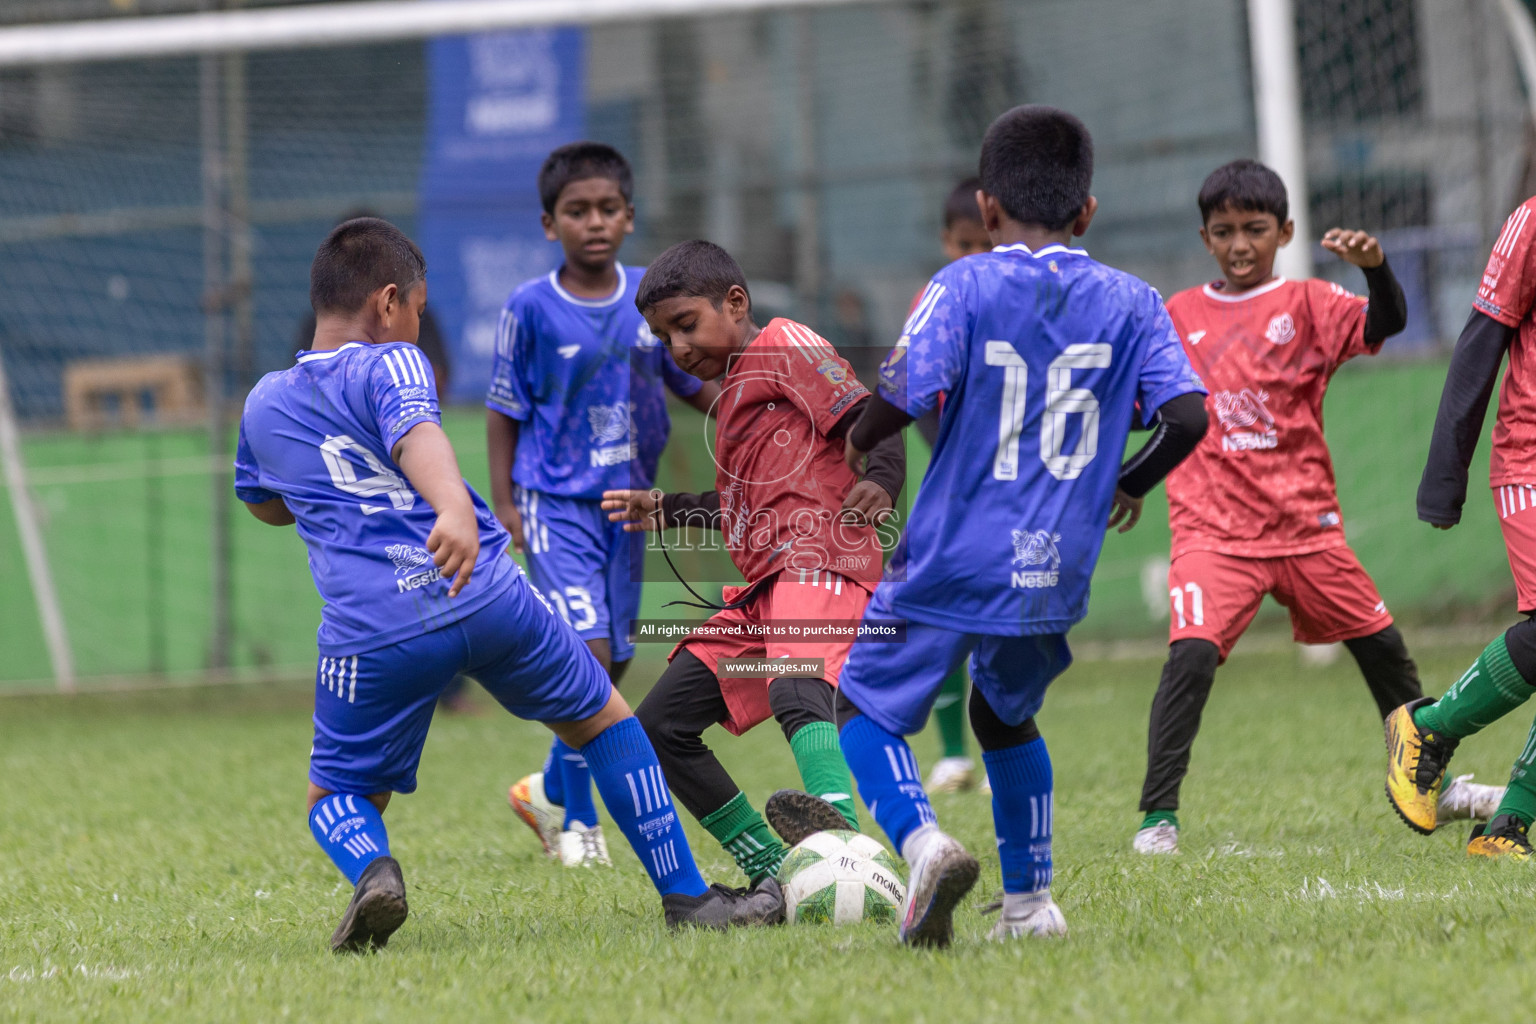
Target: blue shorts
[(896, 684), (587, 567), (372, 709)]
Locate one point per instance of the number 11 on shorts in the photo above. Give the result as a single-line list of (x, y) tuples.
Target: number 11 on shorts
[(1196, 604)]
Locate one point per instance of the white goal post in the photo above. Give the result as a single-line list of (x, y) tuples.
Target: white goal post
[(335, 24)]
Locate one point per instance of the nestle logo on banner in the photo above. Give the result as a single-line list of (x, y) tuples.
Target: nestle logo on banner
[(516, 79), (507, 115)]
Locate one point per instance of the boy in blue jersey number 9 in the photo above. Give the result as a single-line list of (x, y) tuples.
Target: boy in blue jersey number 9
[(1043, 355), (418, 586)]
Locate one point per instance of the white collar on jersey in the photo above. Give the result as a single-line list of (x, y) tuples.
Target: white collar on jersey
[(1252, 293), (1021, 247), (305, 357), (618, 293)]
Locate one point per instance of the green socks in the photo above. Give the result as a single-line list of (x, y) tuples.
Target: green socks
[(1486, 692), (822, 768), (746, 837), (1520, 797), (1160, 818), (949, 711)]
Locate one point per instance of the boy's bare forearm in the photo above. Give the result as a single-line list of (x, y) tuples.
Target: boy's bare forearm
[(427, 459), (501, 432), (273, 512), (705, 398)]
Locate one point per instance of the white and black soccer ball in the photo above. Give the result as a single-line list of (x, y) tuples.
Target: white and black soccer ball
[(840, 877)]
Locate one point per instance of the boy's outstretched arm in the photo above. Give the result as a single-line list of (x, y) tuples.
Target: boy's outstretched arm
[(1459, 422), (273, 512), (1388, 310), (1180, 424), (426, 456), (656, 510)]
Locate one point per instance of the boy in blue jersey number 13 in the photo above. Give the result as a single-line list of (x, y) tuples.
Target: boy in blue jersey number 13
[(418, 587), (1043, 355), (577, 406)]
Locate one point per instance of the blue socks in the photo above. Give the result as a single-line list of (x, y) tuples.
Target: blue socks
[(554, 786), (892, 788), (1021, 813), (624, 766), (351, 832), (575, 785)]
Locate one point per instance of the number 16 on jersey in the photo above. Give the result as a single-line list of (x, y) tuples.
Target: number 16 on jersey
[(1061, 401)]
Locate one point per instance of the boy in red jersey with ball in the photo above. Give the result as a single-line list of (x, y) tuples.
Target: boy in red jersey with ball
[(1254, 510), (799, 525), (1421, 736)]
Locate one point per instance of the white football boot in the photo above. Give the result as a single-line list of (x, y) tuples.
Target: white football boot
[(545, 818), (583, 847), (941, 873), (1160, 838), (951, 775), (1462, 798), (1028, 916)]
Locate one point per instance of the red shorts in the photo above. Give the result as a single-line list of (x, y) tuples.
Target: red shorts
[(1214, 596), (793, 595), (1517, 519)]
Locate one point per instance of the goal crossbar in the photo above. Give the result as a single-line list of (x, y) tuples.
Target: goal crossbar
[(354, 23)]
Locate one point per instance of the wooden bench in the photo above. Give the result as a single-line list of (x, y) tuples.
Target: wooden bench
[(103, 393)]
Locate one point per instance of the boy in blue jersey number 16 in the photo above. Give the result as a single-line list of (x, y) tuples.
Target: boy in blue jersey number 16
[(577, 406), (418, 586), (1044, 356)]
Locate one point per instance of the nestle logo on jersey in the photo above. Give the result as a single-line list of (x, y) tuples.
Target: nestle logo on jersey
[(613, 456), (1036, 548), (1243, 409)]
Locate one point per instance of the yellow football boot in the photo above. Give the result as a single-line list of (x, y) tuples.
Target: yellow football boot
[(1416, 763), (1504, 836)]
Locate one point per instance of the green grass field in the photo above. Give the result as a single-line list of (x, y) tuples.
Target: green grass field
[(155, 865)]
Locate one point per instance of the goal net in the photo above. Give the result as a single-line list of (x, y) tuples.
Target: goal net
[(158, 214)]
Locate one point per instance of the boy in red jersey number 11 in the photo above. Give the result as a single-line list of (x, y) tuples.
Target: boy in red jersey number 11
[(1254, 510)]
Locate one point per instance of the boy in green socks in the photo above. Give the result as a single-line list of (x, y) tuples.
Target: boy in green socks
[(1422, 735)]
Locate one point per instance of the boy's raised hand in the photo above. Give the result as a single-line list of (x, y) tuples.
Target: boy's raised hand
[(637, 510), (868, 502), (1357, 247)]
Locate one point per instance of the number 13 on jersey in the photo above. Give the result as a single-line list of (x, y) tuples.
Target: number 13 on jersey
[(1061, 401)]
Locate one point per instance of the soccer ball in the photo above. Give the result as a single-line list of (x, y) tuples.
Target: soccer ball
[(842, 877)]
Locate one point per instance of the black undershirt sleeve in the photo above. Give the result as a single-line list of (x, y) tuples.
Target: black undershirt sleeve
[(1459, 422), (879, 420), (1177, 427), (886, 463), (698, 510), (1388, 310)]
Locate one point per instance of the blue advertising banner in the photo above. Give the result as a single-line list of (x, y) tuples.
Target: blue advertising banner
[(500, 102)]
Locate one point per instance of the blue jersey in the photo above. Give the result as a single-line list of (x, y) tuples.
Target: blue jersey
[(585, 377), (319, 436), (1042, 358)]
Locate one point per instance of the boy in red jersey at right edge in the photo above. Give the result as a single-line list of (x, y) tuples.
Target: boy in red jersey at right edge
[(1254, 510), (1422, 735)]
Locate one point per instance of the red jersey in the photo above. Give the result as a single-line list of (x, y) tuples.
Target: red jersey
[(1507, 294), (1260, 484), (781, 480)]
